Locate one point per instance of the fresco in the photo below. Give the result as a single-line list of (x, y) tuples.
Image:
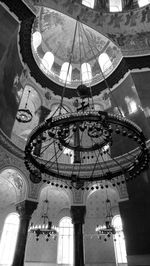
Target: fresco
[(73, 42), (10, 71), (14, 183), (126, 29)]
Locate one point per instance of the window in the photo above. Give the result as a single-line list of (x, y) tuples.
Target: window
[(119, 242), (119, 111), (70, 154), (88, 3), (115, 5), (131, 104), (104, 62), (47, 62), (65, 242), (37, 39), (143, 2), (65, 73), (86, 72), (8, 239)]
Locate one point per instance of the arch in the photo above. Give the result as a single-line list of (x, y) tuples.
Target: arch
[(65, 241), (86, 72), (47, 62), (119, 241), (36, 39), (96, 201), (88, 3), (56, 196), (104, 62), (65, 73), (142, 3), (115, 5), (9, 238)]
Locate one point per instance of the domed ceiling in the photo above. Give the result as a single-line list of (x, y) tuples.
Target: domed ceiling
[(59, 39)]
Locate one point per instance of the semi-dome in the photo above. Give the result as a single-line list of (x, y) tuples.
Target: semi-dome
[(64, 47)]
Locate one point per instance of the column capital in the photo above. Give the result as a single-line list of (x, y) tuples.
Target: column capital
[(26, 208), (78, 214)]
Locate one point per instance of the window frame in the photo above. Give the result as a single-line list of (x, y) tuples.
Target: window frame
[(86, 72), (118, 7), (61, 257), (63, 72), (9, 239), (119, 242), (104, 68), (142, 5), (88, 3)]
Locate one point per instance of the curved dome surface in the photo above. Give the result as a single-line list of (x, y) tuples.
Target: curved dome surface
[(58, 39)]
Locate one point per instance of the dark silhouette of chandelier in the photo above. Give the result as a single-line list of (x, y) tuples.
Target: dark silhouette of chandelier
[(44, 227), (84, 134)]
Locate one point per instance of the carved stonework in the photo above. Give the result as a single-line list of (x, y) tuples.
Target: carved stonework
[(26, 208), (78, 196)]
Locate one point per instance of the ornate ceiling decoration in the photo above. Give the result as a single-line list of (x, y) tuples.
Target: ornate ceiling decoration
[(55, 32)]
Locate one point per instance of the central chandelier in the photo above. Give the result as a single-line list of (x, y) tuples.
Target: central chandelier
[(88, 136)]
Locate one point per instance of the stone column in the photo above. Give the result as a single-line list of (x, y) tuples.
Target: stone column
[(25, 210), (78, 214), (136, 220)]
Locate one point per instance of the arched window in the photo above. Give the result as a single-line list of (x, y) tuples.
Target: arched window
[(36, 39), (115, 5), (65, 73), (119, 242), (65, 242), (47, 62), (104, 62), (86, 72), (8, 239), (89, 3), (131, 105), (143, 2)]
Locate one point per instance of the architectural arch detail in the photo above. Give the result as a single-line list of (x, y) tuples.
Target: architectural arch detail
[(17, 181)]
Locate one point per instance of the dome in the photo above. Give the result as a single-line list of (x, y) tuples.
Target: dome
[(69, 51)]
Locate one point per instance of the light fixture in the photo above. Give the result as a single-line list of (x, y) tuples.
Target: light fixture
[(44, 227), (86, 132), (24, 115), (107, 229)]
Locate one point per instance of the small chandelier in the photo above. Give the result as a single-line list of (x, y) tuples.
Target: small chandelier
[(107, 229), (44, 227), (24, 115)]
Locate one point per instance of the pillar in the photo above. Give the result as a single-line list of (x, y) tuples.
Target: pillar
[(136, 220), (78, 214), (25, 210)]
